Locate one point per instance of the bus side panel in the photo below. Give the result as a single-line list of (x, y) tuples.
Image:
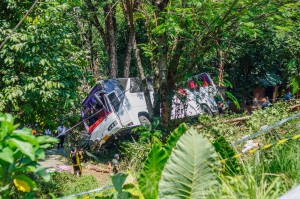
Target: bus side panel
[(109, 126), (136, 104)]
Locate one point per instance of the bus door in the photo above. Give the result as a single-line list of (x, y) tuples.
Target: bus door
[(119, 108)]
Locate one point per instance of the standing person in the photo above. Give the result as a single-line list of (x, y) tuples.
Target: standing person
[(48, 132), (287, 96), (115, 164), (61, 134), (268, 100), (76, 158)]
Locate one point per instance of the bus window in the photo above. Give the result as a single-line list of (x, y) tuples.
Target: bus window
[(114, 100), (123, 83), (135, 85)]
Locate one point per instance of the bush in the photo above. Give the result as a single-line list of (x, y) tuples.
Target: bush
[(64, 184), (20, 151)]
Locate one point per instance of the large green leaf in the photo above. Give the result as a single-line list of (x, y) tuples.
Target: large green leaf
[(23, 135), (155, 163), (47, 140), (118, 180), (189, 170), (174, 137), (7, 155), (25, 147), (149, 177), (7, 125)]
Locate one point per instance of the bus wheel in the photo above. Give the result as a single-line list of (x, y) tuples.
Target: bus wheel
[(206, 110), (144, 120)]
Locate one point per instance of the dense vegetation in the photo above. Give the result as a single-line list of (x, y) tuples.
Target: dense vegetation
[(62, 48), (187, 165)]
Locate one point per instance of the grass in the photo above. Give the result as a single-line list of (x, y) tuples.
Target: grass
[(267, 174)]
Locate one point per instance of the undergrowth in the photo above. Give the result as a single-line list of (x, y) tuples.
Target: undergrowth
[(65, 184)]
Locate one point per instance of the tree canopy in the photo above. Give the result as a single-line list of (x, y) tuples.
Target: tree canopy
[(63, 47)]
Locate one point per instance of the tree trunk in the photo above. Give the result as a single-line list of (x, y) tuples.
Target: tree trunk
[(110, 24), (163, 74), (144, 80), (93, 53), (127, 59), (138, 58), (220, 63), (162, 106), (128, 9)]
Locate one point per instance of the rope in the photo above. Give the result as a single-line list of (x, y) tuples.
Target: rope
[(88, 192), (20, 22), (266, 129)]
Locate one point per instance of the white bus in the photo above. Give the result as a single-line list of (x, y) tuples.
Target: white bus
[(120, 103)]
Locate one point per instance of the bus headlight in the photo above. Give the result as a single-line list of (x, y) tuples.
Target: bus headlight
[(112, 125)]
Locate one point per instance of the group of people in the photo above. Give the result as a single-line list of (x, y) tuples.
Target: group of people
[(265, 102)]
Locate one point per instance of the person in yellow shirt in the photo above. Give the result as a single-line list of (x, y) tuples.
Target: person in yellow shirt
[(76, 158)]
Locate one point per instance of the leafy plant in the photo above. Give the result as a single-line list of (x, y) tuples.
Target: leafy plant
[(19, 152), (223, 148), (184, 168), (155, 162), (64, 184), (189, 171)]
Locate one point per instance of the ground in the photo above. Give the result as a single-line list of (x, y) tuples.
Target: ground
[(57, 159)]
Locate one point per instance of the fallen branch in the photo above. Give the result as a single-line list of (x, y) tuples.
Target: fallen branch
[(239, 119)]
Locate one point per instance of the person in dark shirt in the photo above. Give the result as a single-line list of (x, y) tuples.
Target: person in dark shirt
[(115, 164), (76, 158), (287, 96)]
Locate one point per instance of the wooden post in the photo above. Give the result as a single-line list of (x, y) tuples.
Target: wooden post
[(275, 93)]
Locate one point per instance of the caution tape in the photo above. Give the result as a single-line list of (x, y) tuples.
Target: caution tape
[(265, 147)]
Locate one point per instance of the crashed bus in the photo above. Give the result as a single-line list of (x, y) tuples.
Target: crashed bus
[(117, 104)]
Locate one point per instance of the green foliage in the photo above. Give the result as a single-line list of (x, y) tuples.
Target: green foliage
[(224, 149), (155, 162), (134, 153), (65, 184), (189, 171), (215, 127), (38, 62), (151, 172), (268, 174), (185, 167), (118, 181), (19, 152)]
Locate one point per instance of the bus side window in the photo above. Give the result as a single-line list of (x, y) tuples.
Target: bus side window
[(114, 100), (135, 85)]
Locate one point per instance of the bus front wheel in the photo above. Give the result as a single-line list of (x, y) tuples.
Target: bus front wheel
[(144, 120), (206, 110)]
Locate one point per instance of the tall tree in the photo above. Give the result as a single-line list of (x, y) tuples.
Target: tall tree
[(188, 33), (38, 62), (108, 31)]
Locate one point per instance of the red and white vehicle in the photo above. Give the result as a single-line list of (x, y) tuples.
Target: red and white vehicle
[(120, 103)]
